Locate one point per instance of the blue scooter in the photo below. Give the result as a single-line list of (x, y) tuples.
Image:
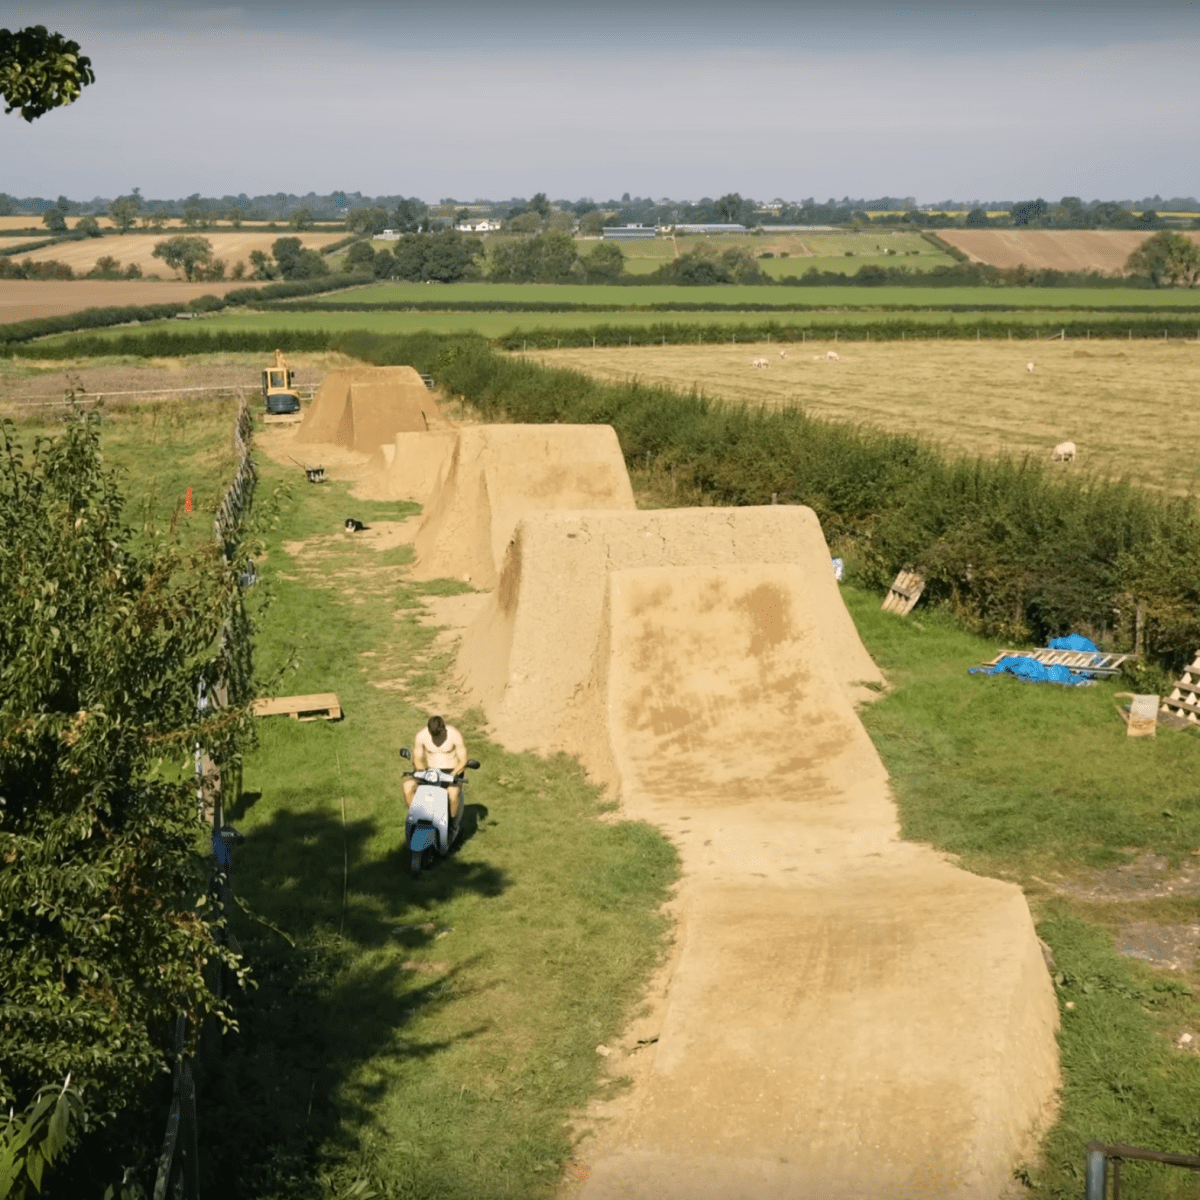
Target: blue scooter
[(428, 826)]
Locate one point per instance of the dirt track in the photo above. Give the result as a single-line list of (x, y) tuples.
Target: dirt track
[(847, 1014)]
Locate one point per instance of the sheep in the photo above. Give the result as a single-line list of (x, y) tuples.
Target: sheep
[(818, 358), (1063, 452), (833, 356), (1029, 368), (759, 362), (783, 354)]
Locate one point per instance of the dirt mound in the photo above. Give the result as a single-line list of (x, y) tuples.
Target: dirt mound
[(818, 1035), (493, 475), (412, 467), (363, 408), (531, 658)]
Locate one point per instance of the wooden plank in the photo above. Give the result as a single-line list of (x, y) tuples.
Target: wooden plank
[(301, 708)]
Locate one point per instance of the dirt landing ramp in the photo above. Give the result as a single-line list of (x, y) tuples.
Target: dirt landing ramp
[(850, 1016), (497, 473), (363, 407)]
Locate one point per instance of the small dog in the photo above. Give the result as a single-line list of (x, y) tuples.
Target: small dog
[(353, 526)]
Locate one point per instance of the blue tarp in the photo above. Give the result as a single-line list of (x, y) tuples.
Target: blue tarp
[(1034, 671), (1073, 641)]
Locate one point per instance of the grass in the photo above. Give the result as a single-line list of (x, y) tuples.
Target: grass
[(470, 1000), (829, 298), (1038, 785), (160, 450), (1123, 403)]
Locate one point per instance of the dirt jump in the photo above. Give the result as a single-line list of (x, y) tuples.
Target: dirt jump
[(361, 408), (848, 1014), (488, 476)]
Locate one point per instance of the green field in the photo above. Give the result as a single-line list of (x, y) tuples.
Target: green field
[(619, 296)]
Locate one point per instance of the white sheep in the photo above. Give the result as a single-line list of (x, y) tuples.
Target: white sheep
[(1063, 452), (1029, 368), (783, 354), (833, 356), (759, 362)]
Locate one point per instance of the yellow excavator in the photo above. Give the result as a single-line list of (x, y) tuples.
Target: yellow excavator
[(279, 394)]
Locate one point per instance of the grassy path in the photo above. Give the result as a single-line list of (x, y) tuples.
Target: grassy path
[(423, 1038)]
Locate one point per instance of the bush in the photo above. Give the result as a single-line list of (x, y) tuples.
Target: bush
[(102, 646)]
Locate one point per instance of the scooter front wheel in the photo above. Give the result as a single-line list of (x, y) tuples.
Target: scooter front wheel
[(418, 860)]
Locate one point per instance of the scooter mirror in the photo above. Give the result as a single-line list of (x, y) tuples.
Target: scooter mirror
[(404, 753), (473, 764)]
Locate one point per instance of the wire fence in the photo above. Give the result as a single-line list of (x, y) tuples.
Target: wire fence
[(178, 1172), (306, 392)]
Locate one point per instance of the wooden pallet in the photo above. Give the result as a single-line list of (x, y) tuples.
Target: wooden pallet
[(1094, 661), (904, 593), (1142, 718), (1184, 700), (301, 708)]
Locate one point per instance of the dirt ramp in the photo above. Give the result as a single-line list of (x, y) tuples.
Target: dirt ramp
[(818, 1038), (497, 473), (411, 467), (535, 658), (363, 407)]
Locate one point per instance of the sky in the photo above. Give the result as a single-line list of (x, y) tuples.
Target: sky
[(1003, 100)]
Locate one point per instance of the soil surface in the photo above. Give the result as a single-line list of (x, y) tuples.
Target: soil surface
[(24, 299), (1059, 249)]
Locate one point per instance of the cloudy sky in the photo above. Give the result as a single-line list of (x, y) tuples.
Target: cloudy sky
[(971, 101)]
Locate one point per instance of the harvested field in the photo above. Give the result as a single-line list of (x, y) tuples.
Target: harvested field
[(1060, 250), (1126, 405), (24, 299), (231, 245), (30, 382)]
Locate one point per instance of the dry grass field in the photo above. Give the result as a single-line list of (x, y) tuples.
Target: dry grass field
[(1130, 407), (24, 299), (1059, 249), (232, 245)]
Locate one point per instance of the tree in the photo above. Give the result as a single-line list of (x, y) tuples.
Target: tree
[(1029, 212), (546, 258), (40, 71), (234, 217), (295, 262), (186, 254), (731, 208), (262, 265), (540, 205), (55, 219), (195, 212), (529, 221), (359, 257), (6, 205), (124, 210), (301, 219), (1168, 259), (102, 647), (591, 223), (977, 218), (605, 263), (367, 220), (88, 225)]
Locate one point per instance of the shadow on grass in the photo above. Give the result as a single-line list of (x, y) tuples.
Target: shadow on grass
[(301, 1079)]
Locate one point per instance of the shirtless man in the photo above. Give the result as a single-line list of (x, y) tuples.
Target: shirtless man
[(437, 747)]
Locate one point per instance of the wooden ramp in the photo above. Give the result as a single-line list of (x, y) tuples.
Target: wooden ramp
[(320, 705), (1184, 700)]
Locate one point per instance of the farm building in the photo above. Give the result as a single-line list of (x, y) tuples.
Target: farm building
[(711, 228), (482, 225), (628, 231)]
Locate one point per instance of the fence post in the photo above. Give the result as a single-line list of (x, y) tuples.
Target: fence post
[(1097, 1172)]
